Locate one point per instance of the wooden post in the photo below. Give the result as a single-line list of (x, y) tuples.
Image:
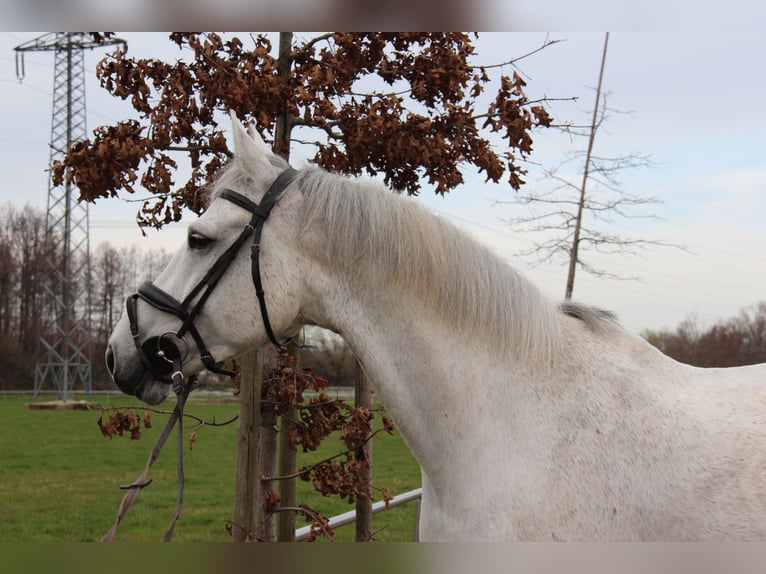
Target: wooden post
[(416, 533), (363, 398), (288, 464), (247, 493)]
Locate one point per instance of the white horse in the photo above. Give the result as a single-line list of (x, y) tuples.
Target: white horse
[(530, 421)]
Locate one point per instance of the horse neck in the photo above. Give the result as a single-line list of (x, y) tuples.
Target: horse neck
[(399, 348), (425, 309), (432, 378)]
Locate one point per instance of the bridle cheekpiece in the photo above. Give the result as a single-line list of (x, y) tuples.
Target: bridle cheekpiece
[(158, 354)]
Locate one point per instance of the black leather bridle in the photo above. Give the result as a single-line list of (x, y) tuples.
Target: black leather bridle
[(158, 353)]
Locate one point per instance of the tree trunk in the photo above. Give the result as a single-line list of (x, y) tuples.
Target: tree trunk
[(253, 448), (266, 529), (363, 398), (247, 487), (288, 458), (284, 122), (288, 465), (574, 252)]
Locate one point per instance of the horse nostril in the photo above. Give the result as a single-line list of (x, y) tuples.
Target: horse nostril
[(110, 360), (160, 353)]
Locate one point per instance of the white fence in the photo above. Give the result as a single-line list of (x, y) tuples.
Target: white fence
[(350, 516)]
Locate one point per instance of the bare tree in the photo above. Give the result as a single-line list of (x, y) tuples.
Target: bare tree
[(22, 286), (107, 297), (28, 236), (8, 278), (578, 212)]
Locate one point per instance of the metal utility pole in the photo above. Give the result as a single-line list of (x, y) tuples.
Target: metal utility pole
[(64, 343)]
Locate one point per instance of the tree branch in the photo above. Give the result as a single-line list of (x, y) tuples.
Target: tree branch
[(513, 61), (311, 43), (314, 517), (200, 421), (323, 461)]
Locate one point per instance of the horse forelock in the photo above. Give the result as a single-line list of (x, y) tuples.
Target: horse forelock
[(375, 237)]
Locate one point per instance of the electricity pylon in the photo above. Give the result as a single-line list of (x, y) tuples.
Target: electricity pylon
[(63, 357)]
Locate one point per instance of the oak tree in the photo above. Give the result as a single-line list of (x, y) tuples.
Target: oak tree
[(402, 105)]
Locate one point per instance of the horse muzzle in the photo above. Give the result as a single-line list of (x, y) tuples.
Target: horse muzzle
[(148, 378)]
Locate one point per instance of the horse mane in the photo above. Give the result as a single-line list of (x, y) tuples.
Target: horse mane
[(385, 237), (374, 236), (595, 319)]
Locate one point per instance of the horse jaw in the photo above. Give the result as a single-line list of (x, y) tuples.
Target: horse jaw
[(152, 392), (144, 386)]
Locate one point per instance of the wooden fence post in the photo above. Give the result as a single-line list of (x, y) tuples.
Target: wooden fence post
[(247, 487), (363, 398)]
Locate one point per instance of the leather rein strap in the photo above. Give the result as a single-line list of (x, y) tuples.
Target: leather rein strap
[(184, 310)]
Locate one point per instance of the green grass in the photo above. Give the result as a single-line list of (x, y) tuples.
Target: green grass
[(59, 478)]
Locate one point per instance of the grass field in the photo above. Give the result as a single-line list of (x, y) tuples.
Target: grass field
[(59, 478)]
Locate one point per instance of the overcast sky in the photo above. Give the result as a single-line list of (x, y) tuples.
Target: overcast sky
[(696, 107)]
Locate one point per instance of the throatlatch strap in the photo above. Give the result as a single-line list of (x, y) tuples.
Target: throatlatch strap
[(255, 271), (260, 214)]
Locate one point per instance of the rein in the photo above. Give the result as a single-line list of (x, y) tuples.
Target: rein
[(182, 393), (158, 353)]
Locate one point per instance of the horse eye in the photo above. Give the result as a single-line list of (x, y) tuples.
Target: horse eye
[(198, 241)]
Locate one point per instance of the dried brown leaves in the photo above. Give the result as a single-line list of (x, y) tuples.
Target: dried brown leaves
[(341, 474), (425, 127), (119, 423)]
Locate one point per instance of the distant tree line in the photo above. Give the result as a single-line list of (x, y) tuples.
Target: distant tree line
[(24, 276), (740, 340)]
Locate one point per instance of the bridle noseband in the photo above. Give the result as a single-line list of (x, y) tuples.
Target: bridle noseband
[(158, 353)]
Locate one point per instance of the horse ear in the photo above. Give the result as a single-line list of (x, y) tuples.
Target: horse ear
[(256, 137), (249, 147)]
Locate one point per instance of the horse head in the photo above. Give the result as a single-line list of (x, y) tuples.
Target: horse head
[(234, 285)]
